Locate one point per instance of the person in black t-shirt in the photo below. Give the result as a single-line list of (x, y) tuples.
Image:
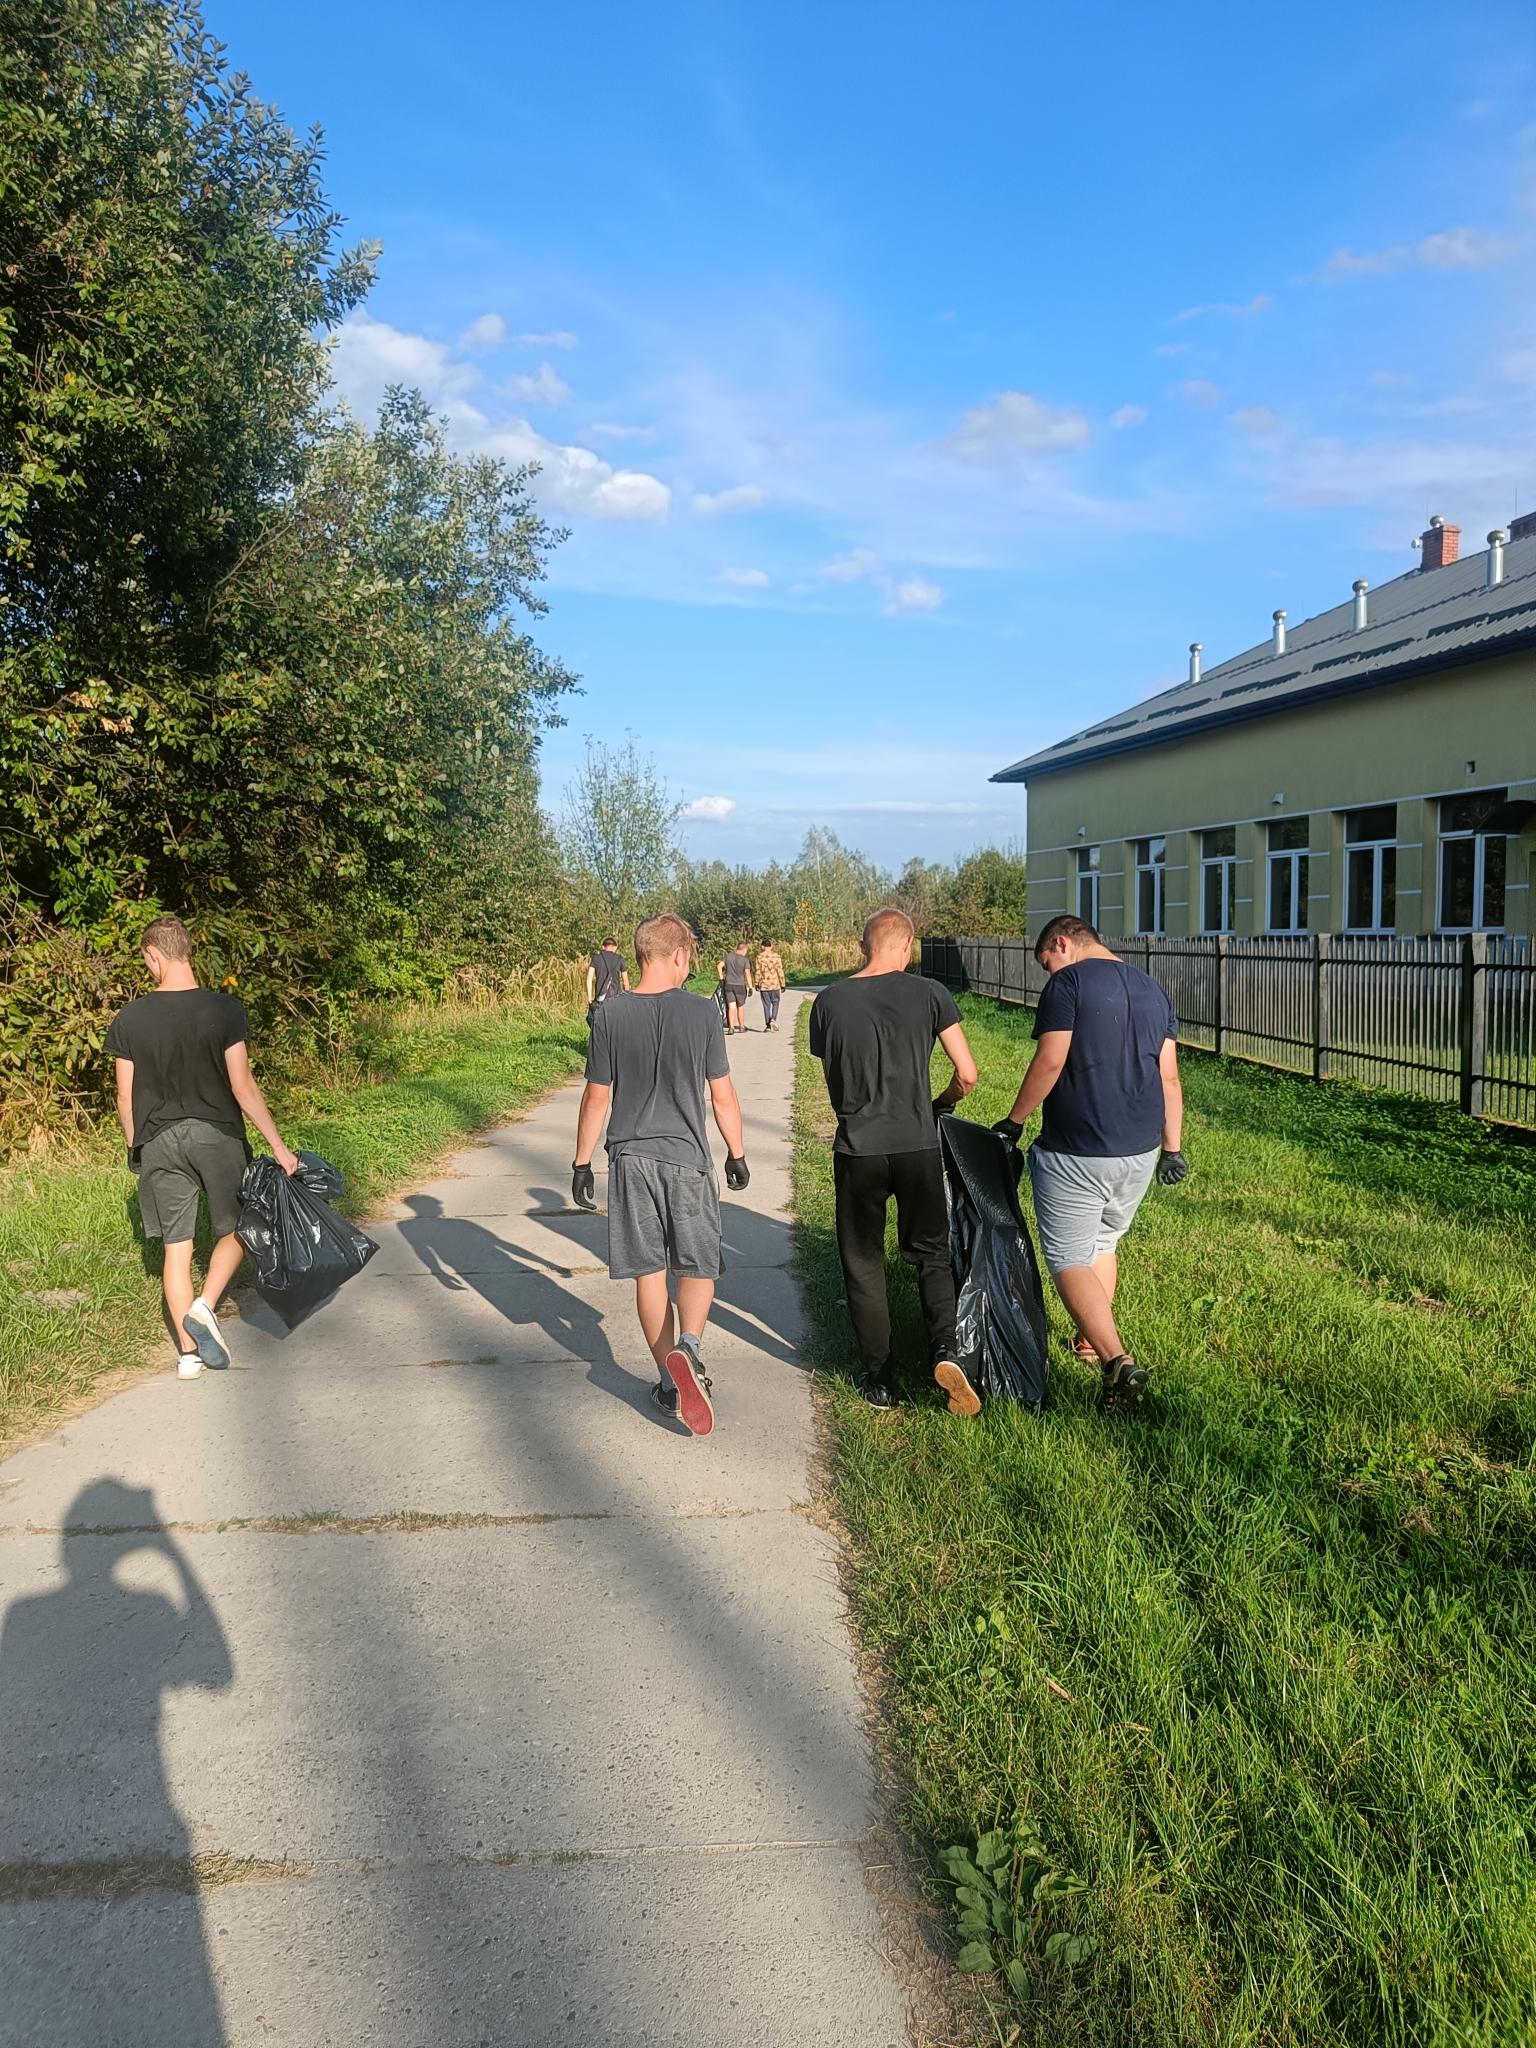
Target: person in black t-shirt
[(1105, 1076), (607, 975), (874, 1035), (184, 1091), (735, 972)]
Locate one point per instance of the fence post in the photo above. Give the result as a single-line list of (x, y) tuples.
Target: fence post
[(1322, 990), (1474, 1020), (1220, 1019)]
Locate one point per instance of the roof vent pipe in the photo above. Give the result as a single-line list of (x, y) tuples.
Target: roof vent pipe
[(1496, 541), (1196, 649), (1362, 604), (1279, 632)]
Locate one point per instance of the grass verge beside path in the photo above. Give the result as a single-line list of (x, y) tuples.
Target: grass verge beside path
[(79, 1289), (1257, 1664)]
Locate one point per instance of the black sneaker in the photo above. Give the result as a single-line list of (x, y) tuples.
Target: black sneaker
[(876, 1392), (685, 1369), (1124, 1383), (962, 1397), (665, 1398)]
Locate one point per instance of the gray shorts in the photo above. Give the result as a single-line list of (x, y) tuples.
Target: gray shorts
[(1083, 1207), (181, 1162), (662, 1218)]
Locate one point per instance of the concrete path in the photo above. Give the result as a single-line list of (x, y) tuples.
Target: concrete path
[(496, 1709)]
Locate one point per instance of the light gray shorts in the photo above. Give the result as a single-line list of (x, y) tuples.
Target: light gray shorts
[(183, 1161), (1083, 1207), (662, 1217)]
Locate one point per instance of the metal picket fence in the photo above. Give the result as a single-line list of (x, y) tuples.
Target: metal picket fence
[(1450, 1018)]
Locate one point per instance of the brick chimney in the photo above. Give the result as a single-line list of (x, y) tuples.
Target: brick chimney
[(1439, 544)]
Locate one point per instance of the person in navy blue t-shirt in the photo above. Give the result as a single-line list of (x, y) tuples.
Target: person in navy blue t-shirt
[(1105, 1077)]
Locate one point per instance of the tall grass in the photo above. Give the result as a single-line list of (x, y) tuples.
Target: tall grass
[(78, 1292), (1258, 1663)]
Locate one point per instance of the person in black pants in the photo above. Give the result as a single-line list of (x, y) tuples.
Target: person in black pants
[(874, 1035)]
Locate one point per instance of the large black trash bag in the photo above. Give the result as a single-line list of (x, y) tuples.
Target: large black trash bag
[(301, 1248), (1000, 1325)]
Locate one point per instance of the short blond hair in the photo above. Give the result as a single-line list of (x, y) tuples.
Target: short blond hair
[(660, 936), (168, 935), (887, 929)]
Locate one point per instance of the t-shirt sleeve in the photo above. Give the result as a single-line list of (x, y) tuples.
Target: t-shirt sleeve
[(237, 1024), (818, 1030), (1057, 1007), (600, 1049), (716, 1063), (946, 1010), (1173, 1018), (117, 1040)]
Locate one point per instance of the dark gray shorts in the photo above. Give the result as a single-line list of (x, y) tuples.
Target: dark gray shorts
[(178, 1164), (662, 1218)]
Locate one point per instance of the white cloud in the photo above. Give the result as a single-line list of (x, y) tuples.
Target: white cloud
[(1015, 424), (1453, 249), (1256, 419), (575, 480), (1173, 348), (1202, 392), (369, 355), (489, 331), (557, 337), (859, 565), (545, 387), (1520, 364), (1259, 303), (739, 498), (744, 579), (1398, 478), (611, 430), (1127, 416), (913, 594), (707, 810)]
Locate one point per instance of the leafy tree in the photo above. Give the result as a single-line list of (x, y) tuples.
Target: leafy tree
[(620, 828)]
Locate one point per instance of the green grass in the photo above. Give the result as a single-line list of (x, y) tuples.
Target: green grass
[(1258, 1663), (415, 1082)]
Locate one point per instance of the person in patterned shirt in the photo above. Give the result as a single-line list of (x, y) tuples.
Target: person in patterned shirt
[(768, 973)]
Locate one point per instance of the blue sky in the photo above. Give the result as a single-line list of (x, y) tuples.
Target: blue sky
[(917, 383)]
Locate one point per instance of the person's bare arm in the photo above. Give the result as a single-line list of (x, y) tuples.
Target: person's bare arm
[(253, 1104), (624, 980), (727, 1109), (958, 1052), (125, 1099), (591, 983), (1173, 1096), (1042, 1074), (590, 1118)]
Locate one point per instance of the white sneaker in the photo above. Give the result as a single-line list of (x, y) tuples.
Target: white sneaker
[(202, 1326), (188, 1365)]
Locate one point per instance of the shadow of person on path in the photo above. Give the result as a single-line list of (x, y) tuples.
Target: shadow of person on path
[(460, 1253), (104, 1933)]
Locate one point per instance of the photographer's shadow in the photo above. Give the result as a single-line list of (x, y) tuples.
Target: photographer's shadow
[(86, 1815)]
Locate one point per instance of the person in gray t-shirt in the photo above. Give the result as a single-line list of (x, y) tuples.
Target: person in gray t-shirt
[(654, 1053)]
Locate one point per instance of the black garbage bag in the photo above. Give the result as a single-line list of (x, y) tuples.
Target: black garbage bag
[(1000, 1324), (301, 1248)]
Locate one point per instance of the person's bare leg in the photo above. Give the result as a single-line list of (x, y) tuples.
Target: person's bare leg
[(176, 1278), (685, 1363), (1106, 1270), (695, 1299), (654, 1306), (223, 1264), (1091, 1308)]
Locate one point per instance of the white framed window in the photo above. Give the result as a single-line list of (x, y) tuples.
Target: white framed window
[(1287, 879), (1151, 872), (1218, 878), (1088, 884), (1473, 863), (1370, 869)]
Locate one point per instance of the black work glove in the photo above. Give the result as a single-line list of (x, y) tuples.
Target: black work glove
[(1005, 1127), (736, 1174), (1171, 1169), (583, 1187)]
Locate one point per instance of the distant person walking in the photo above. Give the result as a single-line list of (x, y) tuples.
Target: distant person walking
[(655, 1054), (1105, 1076), (184, 1092), (735, 974), (607, 975), (874, 1035), (768, 973)]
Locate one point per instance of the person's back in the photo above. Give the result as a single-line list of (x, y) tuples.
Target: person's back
[(874, 1035), (1108, 1102), (608, 969), (177, 1040), (658, 1053)]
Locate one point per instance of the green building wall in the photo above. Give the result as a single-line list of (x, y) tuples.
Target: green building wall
[(1408, 744)]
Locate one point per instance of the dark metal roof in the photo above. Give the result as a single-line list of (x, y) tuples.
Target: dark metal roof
[(1427, 620)]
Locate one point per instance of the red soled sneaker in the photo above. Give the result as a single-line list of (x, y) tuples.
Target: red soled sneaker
[(685, 1368)]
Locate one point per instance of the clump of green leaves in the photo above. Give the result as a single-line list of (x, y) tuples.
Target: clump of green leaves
[(1009, 1897)]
